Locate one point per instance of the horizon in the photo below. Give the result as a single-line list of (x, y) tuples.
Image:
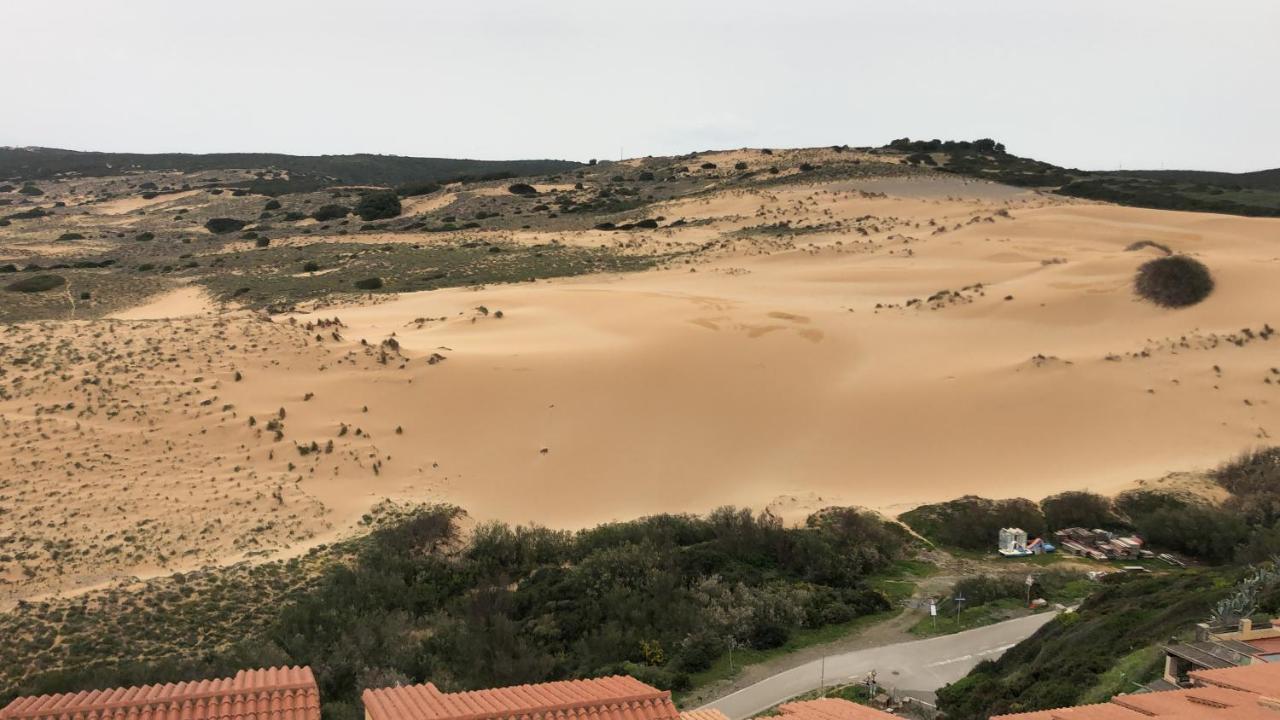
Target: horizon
[(575, 81)]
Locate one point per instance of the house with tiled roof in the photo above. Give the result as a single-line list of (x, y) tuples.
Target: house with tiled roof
[(831, 709), (609, 698), (285, 693), (1248, 692)]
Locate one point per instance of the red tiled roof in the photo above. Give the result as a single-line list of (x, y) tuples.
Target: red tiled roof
[(831, 709), (269, 694), (1248, 692), (705, 714), (610, 698), (1259, 678)]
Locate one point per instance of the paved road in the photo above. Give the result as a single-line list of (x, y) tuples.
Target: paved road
[(919, 665)]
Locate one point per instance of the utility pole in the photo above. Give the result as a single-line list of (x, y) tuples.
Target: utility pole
[(822, 678), (731, 643)]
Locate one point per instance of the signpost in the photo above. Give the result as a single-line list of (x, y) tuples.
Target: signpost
[(933, 612), (1030, 581)]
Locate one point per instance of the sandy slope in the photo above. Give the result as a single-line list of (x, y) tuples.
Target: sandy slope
[(761, 373)]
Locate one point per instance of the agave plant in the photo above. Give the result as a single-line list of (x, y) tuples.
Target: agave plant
[(1243, 601)]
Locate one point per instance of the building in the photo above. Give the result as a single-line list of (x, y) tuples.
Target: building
[(1214, 649), (831, 709), (269, 694), (1251, 692), (610, 698), (1013, 542)]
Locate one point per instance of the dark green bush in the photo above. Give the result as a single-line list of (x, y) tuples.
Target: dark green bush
[(373, 283), (31, 190), (1077, 508), (262, 242), (325, 213), (311, 266), (145, 237), (221, 226), (522, 189), (1174, 281), (272, 204), (414, 189), (378, 205), (973, 522), (37, 283), (67, 236)]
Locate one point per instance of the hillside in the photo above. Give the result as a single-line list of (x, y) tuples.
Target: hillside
[(1253, 193), (19, 164)]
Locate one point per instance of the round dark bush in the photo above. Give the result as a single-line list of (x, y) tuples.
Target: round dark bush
[(31, 190), (647, 224), (522, 189), (310, 266), (372, 283), (272, 205), (37, 283), (330, 212), (645, 176), (70, 236), (378, 205), (219, 226), (145, 237), (708, 166), (1174, 281), (739, 166), (262, 242)]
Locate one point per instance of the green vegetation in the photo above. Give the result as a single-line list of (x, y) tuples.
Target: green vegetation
[(270, 276), (1255, 193), (330, 212), (221, 226), (972, 522), (658, 598), (1174, 281), (992, 598), (304, 171), (37, 283), (378, 205), (1076, 652)]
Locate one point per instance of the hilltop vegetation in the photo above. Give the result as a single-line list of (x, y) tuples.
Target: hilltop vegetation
[(1255, 193), (658, 598), (390, 170)]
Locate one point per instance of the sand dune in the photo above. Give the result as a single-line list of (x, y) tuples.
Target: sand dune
[(817, 366)]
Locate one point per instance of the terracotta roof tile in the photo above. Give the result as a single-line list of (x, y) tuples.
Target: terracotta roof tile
[(610, 698), (704, 714), (831, 709), (1258, 678), (267, 694)]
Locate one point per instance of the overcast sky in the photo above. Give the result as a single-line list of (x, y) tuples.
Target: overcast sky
[(1082, 83)]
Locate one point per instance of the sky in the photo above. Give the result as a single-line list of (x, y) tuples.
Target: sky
[(1093, 84)]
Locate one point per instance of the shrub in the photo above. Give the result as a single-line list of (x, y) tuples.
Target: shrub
[(262, 242), (413, 189), (272, 205), (1135, 246), (647, 224), (1174, 281), (1076, 508), (739, 166), (330, 212), (708, 166), (974, 522), (645, 176), (378, 205), (31, 190), (373, 283), (70, 236), (310, 266), (294, 216), (145, 237), (37, 283), (1253, 472), (221, 226), (522, 189)]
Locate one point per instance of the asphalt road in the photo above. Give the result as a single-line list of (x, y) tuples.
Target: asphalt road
[(919, 665)]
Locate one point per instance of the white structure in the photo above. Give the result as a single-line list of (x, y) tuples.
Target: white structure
[(1013, 542)]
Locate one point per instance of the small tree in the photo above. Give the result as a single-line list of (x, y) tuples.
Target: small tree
[(378, 205)]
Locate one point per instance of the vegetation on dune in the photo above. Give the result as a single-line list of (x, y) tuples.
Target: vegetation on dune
[(1175, 281), (37, 283), (221, 226), (658, 598), (378, 205), (972, 522), (330, 212)]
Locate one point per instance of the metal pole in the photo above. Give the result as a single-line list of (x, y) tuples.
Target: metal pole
[(822, 680)]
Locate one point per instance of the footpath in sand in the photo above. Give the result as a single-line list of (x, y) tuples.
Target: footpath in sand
[(944, 338)]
